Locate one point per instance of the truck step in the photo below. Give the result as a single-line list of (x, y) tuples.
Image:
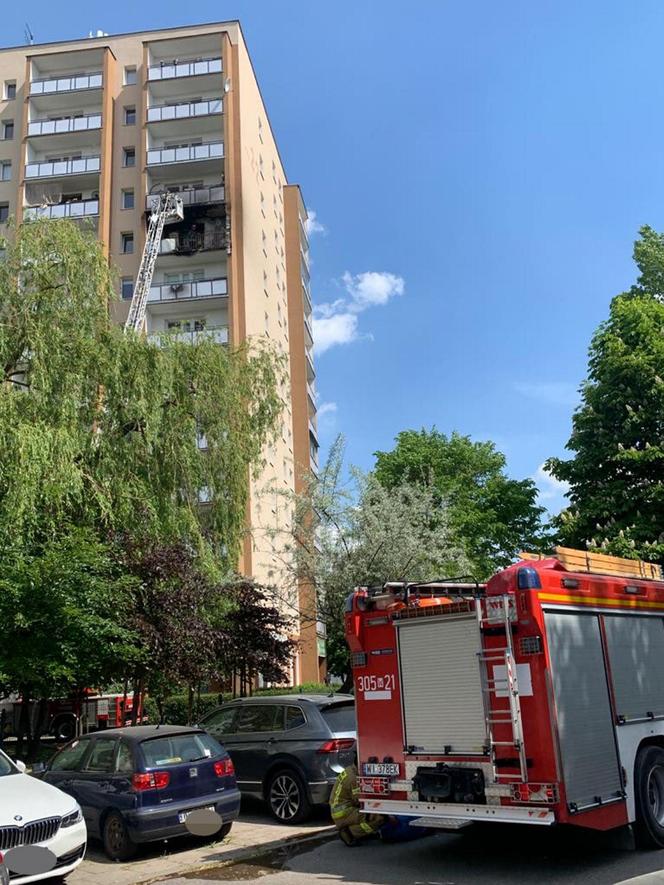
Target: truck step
[(440, 823)]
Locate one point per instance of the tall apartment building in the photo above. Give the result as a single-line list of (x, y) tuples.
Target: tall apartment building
[(94, 128)]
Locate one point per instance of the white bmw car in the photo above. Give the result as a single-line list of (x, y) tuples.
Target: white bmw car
[(42, 831)]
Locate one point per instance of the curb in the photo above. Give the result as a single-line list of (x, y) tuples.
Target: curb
[(240, 855)]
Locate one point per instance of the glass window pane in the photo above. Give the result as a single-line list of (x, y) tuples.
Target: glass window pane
[(177, 748), (71, 757), (260, 717), (125, 758), (102, 757), (294, 717), (221, 721), (340, 717)]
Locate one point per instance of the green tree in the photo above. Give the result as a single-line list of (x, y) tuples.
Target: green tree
[(616, 474), (356, 532), (491, 515)]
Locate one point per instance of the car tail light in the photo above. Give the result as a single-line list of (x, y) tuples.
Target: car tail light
[(224, 767), (337, 744), (153, 780)]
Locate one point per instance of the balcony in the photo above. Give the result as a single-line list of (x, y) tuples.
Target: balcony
[(213, 288), (184, 111), (190, 243), (217, 334), (69, 83), (67, 124), (311, 371), (77, 209), (210, 150), (313, 432), (311, 392), (307, 298), (309, 332), (188, 68), (63, 167), (198, 196)]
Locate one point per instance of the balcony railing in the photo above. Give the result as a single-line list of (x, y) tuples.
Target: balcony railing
[(168, 70), (307, 296), (207, 151), (62, 167), (310, 364), (311, 390), (70, 83), (217, 334), (187, 244), (184, 111), (197, 289), (313, 430), (69, 124), (191, 196), (310, 331), (78, 209)]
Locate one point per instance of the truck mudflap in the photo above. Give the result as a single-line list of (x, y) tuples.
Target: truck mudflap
[(447, 813)]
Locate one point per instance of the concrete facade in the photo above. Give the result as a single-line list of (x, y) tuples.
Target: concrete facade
[(91, 129)]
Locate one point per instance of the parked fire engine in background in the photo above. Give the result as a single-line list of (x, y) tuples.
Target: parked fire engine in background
[(537, 698), (67, 717)]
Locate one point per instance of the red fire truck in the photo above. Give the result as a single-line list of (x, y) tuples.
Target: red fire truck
[(537, 698), (67, 717)]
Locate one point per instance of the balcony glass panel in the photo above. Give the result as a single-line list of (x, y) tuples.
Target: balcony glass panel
[(206, 151), (79, 209), (182, 111), (168, 70), (190, 196), (68, 124), (197, 289), (62, 167), (217, 334), (66, 84)]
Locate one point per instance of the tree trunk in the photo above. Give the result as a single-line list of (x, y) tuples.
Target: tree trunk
[(347, 684), (190, 704), (138, 691)]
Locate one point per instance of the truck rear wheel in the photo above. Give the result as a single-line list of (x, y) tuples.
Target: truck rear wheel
[(649, 796)]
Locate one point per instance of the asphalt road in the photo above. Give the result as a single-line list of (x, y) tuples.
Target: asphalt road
[(492, 856)]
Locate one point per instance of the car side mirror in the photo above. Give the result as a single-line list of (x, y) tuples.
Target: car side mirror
[(22, 767)]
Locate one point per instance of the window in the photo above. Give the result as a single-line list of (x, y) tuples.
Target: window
[(130, 76), (340, 717), (294, 718), (10, 90), (130, 116), (127, 243), (176, 748), (259, 717), (128, 199), (5, 170), (4, 212), (125, 761), (8, 130), (127, 288), (129, 156), (102, 757), (71, 757), (220, 722)]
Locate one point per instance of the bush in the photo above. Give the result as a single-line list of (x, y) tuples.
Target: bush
[(305, 688), (177, 705)]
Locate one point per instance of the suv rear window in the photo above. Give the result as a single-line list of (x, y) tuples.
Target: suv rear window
[(340, 717), (176, 748)]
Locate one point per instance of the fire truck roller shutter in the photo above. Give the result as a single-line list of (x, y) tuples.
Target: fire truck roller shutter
[(440, 683), (636, 655), (585, 727)]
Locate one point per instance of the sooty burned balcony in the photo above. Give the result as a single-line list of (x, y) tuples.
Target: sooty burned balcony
[(191, 196)]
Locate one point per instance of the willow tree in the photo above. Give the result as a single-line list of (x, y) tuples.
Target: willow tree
[(105, 429)]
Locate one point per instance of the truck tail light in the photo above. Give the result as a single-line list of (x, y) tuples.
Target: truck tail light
[(224, 767), (153, 780), (335, 745)]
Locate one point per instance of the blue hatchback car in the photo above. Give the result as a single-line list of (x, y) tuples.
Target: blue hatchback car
[(141, 784)]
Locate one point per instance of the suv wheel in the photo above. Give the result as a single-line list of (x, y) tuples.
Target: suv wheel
[(118, 844), (287, 797)]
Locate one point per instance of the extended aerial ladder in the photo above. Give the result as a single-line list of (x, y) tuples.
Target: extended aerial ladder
[(166, 209)]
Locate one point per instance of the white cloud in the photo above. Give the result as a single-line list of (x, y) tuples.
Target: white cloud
[(556, 393), (334, 329), (552, 491), (312, 225), (372, 289), (326, 409)]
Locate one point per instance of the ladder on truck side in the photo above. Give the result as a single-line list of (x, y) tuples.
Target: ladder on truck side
[(501, 619), (166, 209)]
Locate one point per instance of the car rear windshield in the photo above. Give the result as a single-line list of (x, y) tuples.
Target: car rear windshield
[(175, 748), (340, 717)]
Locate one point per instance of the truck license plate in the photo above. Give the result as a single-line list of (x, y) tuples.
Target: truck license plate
[(387, 769), (183, 815)]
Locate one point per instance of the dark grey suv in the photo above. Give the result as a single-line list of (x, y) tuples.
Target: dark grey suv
[(287, 749)]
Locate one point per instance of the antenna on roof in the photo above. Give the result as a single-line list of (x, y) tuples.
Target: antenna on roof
[(29, 36)]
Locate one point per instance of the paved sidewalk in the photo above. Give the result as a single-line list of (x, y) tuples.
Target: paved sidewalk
[(255, 829)]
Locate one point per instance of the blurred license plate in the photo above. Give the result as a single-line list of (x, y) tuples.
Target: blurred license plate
[(183, 815), (387, 769)]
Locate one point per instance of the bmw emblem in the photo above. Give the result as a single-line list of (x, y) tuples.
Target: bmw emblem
[(17, 817)]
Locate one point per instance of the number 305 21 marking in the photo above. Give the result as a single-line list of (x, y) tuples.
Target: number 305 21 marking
[(376, 683)]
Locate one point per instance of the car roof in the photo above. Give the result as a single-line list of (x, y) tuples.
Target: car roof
[(321, 700), (138, 733)]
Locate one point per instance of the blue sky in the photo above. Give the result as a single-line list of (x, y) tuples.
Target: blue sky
[(479, 170)]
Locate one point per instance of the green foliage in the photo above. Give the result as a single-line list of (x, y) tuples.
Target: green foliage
[(616, 475), (176, 708), (492, 516), (304, 688)]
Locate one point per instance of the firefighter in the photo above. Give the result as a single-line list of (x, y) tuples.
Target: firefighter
[(353, 825)]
